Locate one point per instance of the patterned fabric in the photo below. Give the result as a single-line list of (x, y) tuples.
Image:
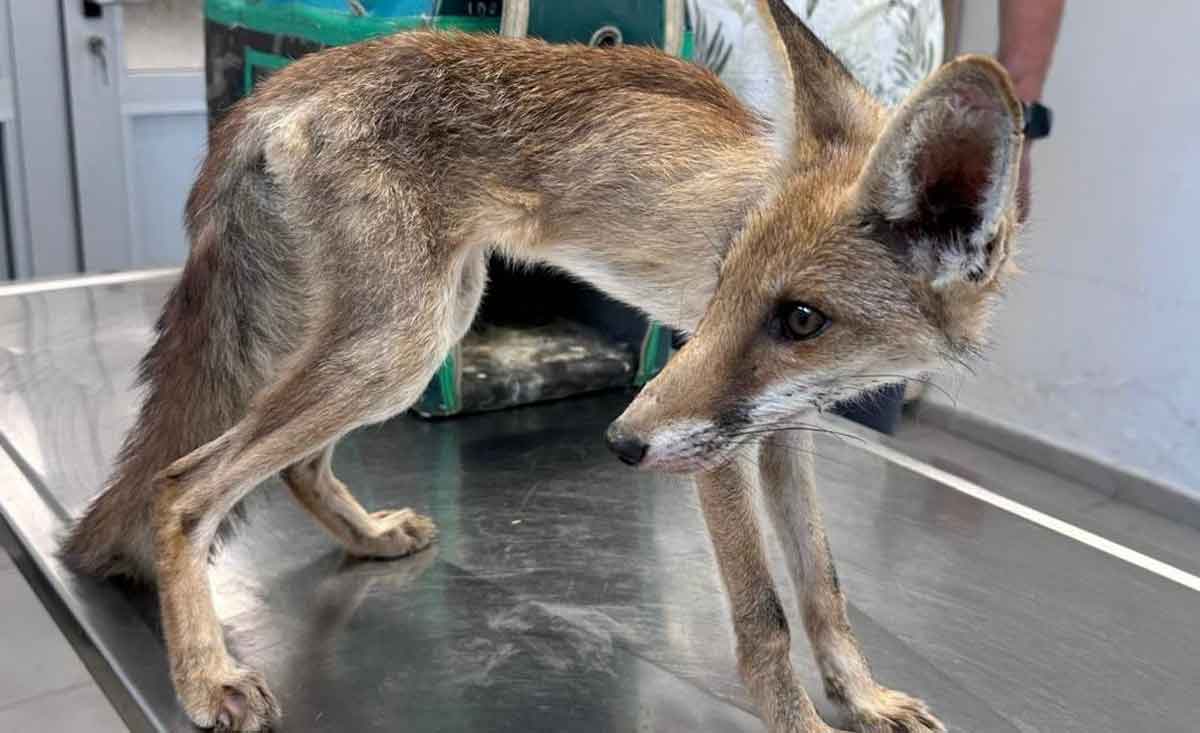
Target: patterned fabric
[(889, 45)]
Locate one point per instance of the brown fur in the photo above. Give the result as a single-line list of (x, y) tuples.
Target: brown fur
[(340, 227)]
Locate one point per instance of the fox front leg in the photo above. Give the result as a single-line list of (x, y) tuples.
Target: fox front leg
[(763, 639), (788, 485)]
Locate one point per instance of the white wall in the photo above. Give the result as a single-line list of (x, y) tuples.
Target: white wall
[(1098, 348), (164, 34), (166, 150)]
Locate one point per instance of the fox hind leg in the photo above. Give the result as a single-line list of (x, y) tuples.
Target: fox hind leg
[(336, 384), (387, 533), (381, 534)]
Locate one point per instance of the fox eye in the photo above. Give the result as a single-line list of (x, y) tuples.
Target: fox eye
[(800, 322)]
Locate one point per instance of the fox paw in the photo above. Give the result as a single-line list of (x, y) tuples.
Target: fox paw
[(235, 701), (889, 711), (396, 533)]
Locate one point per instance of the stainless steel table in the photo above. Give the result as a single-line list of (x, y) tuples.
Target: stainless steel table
[(566, 592)]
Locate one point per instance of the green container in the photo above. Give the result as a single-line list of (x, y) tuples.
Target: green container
[(584, 341), (247, 39)]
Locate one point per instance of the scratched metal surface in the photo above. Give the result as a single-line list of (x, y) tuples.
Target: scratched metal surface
[(567, 592)]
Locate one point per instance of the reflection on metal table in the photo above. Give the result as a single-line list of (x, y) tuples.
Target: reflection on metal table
[(566, 592)]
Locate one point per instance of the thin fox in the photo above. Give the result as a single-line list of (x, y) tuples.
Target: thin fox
[(813, 244)]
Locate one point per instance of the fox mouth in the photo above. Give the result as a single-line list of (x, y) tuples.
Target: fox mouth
[(696, 445), (691, 459)]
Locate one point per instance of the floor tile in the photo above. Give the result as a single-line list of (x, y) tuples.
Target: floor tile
[(80, 708), (36, 658)]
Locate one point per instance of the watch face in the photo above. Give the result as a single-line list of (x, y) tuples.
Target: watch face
[(1037, 120)]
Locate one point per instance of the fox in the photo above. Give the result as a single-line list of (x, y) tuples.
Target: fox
[(812, 244)]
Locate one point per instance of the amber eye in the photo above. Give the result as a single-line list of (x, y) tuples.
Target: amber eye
[(799, 322)]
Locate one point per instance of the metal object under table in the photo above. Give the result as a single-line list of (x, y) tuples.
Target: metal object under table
[(566, 592)]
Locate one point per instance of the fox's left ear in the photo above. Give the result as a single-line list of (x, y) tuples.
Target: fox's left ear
[(939, 184)]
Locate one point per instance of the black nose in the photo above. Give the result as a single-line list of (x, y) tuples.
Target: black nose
[(629, 448)]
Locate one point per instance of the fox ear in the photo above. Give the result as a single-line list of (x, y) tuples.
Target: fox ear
[(939, 185), (828, 104), (780, 69)]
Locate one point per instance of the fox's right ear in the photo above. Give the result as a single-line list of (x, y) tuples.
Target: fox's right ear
[(939, 185)]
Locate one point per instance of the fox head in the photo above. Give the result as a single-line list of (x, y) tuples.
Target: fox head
[(879, 257)]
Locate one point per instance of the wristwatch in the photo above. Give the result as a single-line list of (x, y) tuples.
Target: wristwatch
[(1038, 119)]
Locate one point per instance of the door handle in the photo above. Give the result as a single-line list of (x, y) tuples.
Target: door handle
[(99, 50)]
